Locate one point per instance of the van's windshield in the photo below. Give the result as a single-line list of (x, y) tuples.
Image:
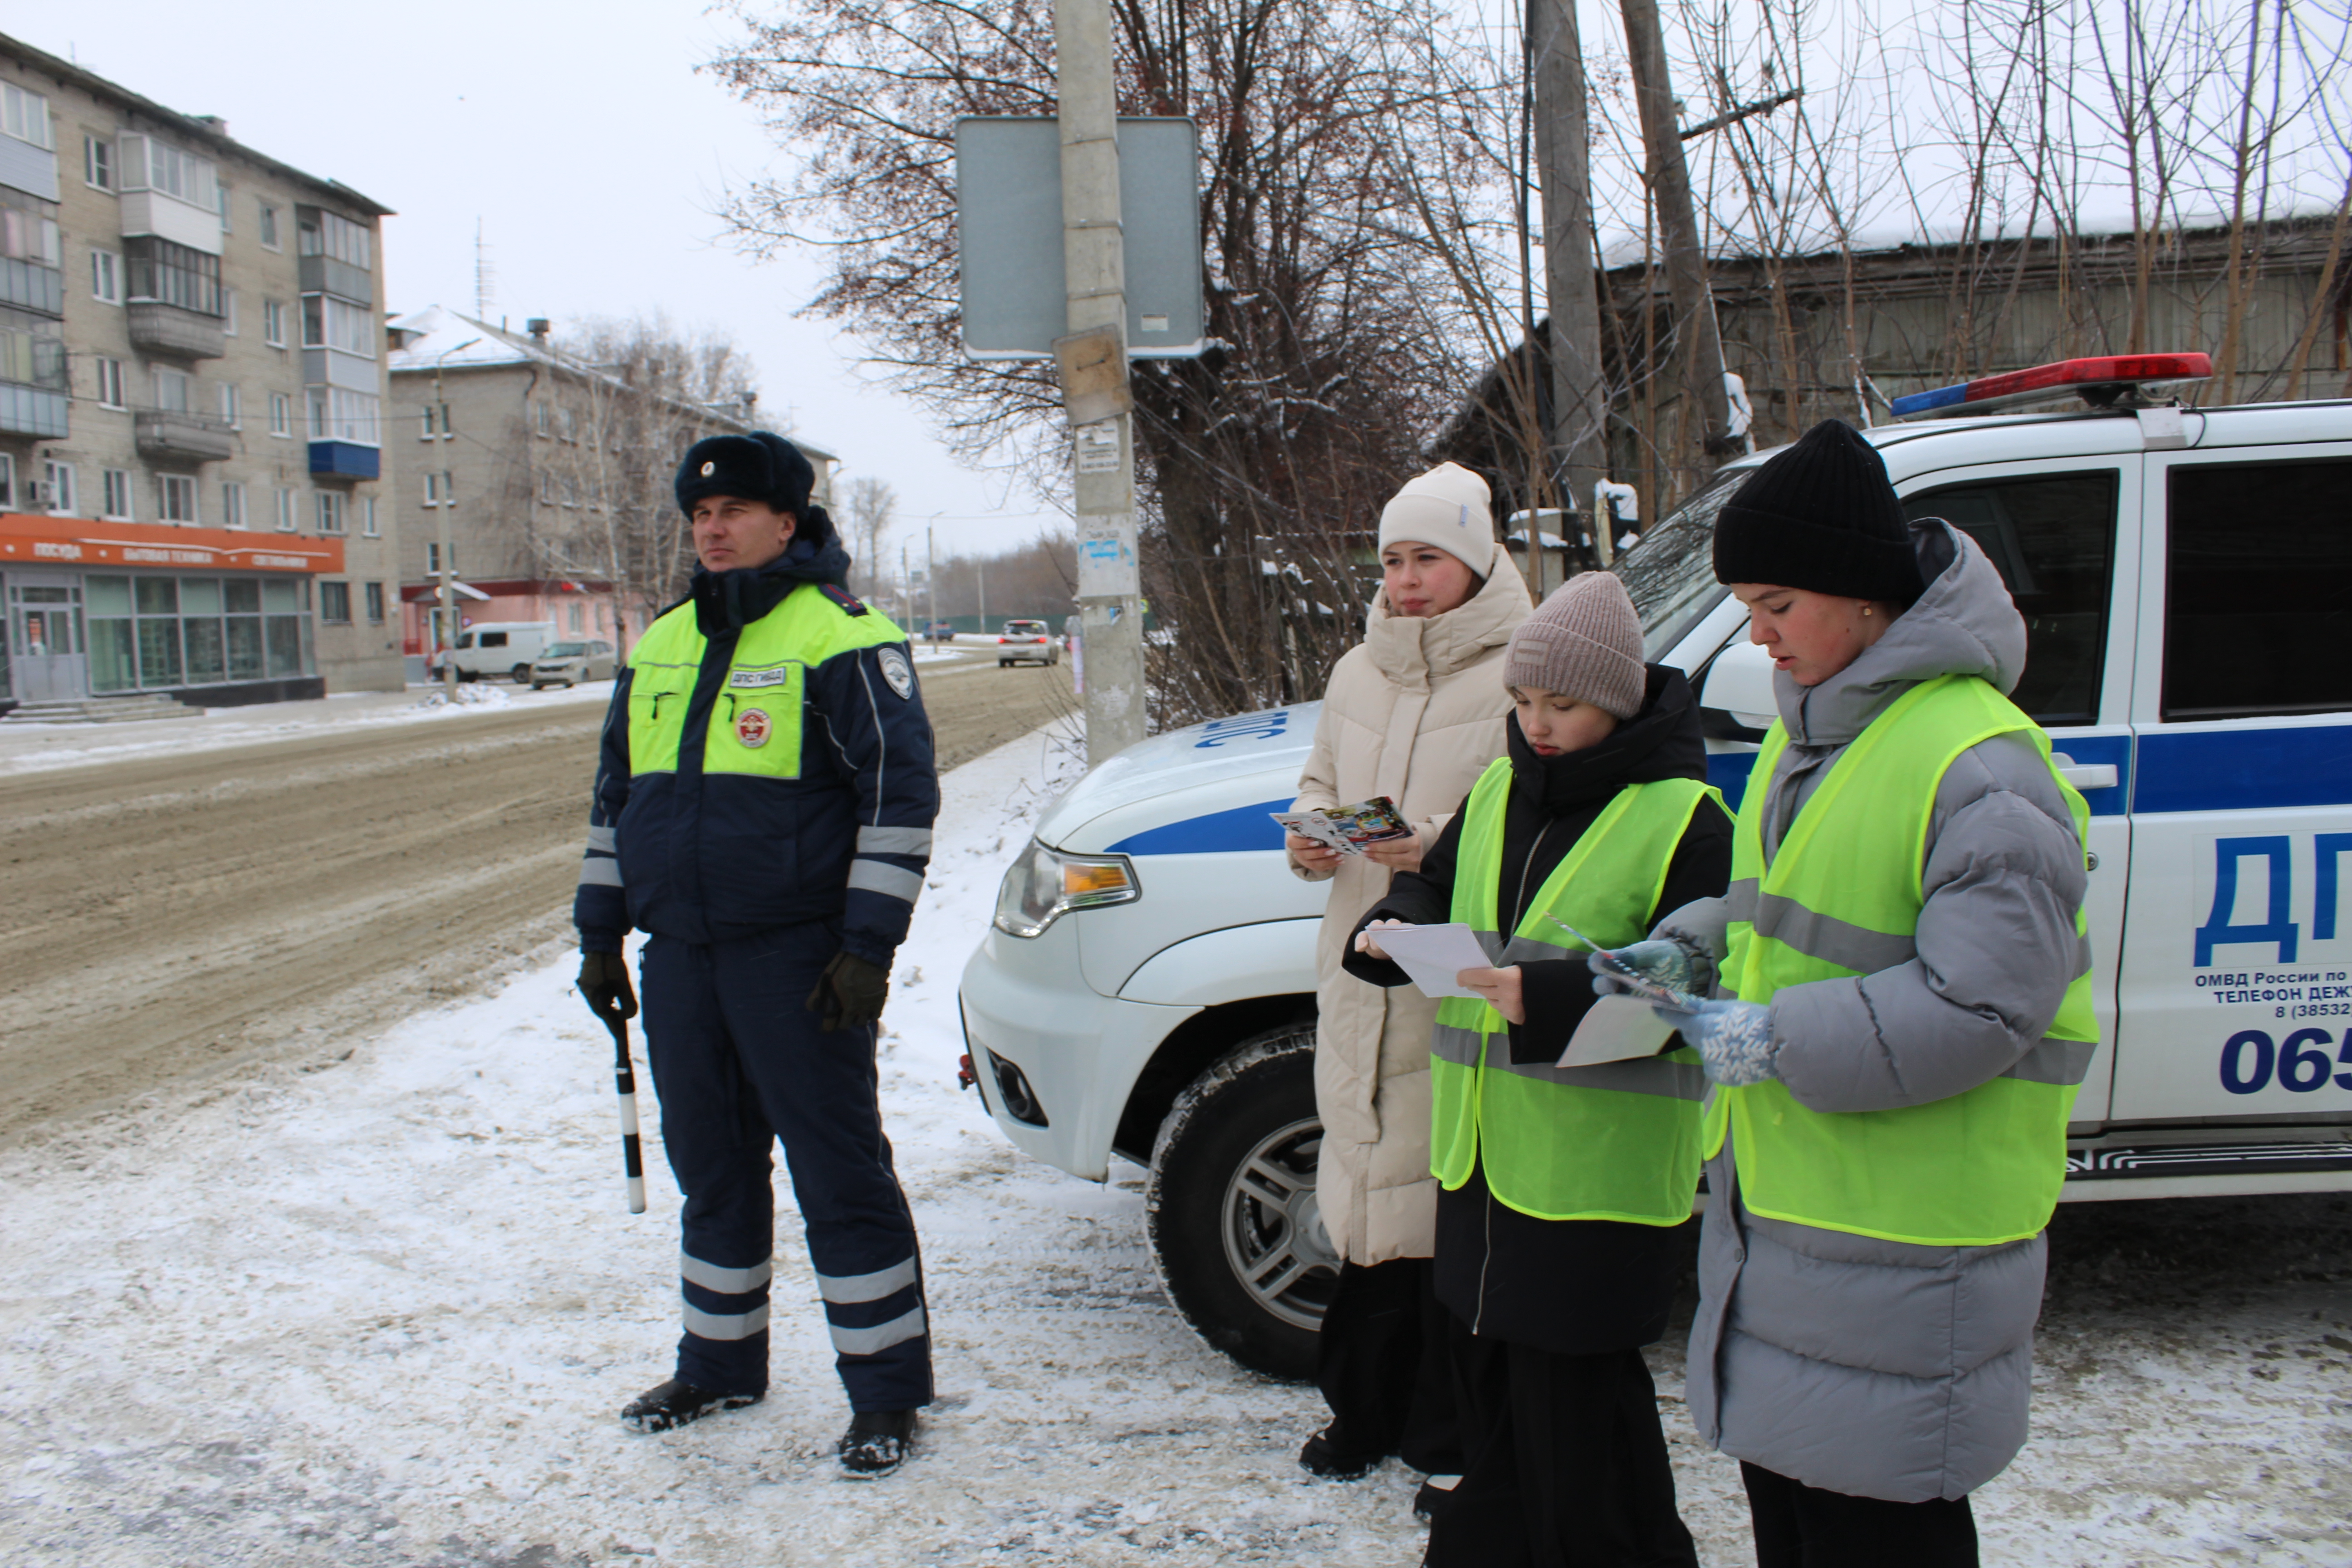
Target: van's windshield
[(1670, 574)]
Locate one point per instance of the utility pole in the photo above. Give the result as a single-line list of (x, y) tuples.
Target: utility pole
[(980, 577), (907, 590), (1579, 455), (1687, 285), (1095, 390), (931, 575), (447, 563)]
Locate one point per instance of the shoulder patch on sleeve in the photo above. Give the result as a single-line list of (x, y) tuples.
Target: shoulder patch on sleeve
[(849, 603), (899, 670)]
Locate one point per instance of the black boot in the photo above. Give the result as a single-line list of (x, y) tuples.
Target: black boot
[(675, 1403), (1323, 1456), (877, 1443)]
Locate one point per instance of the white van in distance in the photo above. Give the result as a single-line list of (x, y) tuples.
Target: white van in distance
[(503, 648), (2186, 579)]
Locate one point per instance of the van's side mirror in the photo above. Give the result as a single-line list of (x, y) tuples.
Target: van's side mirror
[(1736, 698)]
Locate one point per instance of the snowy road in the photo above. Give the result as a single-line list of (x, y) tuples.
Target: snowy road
[(381, 1313)]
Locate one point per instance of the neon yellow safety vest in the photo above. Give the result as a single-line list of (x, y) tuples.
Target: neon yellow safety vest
[(755, 722), (1619, 1141), (1841, 898)]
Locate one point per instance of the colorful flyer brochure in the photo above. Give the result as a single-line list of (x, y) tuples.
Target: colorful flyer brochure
[(1348, 828)]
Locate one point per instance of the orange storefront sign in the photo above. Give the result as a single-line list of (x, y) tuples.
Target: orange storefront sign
[(27, 540)]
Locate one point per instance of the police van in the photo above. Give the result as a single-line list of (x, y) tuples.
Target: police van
[(2186, 579)]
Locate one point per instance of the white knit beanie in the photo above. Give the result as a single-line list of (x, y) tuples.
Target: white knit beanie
[(1447, 507)]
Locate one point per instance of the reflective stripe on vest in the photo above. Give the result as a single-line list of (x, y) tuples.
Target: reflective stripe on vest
[(755, 720), (1616, 1142), (1841, 898)]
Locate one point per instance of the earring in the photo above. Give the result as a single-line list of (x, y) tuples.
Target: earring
[(1865, 610)]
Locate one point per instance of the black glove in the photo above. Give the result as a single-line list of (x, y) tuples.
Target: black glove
[(605, 981), (850, 992)]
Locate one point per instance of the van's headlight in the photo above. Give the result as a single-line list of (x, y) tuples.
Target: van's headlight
[(1045, 883)]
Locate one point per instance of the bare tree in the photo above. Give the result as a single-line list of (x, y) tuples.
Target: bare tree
[(869, 508)]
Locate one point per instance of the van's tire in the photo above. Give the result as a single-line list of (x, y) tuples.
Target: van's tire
[(464, 676), (522, 674), (1232, 1194)]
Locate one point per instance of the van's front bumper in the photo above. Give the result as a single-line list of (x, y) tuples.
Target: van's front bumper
[(1025, 1002)]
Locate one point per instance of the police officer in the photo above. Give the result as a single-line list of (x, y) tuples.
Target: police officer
[(762, 810)]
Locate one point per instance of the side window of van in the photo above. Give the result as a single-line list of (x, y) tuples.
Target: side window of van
[(2258, 590), (465, 639), (2052, 537), (494, 639)]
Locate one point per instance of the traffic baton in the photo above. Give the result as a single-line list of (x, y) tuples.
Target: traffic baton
[(625, 1079)]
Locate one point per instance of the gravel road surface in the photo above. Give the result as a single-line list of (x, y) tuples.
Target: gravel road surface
[(181, 913)]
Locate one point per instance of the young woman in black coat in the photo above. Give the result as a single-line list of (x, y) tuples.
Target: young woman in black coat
[(1567, 1461)]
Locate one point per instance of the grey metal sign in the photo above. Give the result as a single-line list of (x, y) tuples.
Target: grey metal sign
[(1009, 222)]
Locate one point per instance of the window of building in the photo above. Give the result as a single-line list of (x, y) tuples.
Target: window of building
[(547, 489), (334, 513), (59, 480), (2258, 598), (177, 495), (98, 162), (117, 482), (368, 529), (331, 323), (433, 558), (339, 413), (106, 277), (26, 116), (7, 481), (175, 390), (110, 384), (437, 489), (2053, 538), (273, 323), (232, 407), (285, 510), (229, 311), (335, 604), (232, 503), (28, 229), (281, 414), (228, 224), (321, 233), (540, 413), (173, 274), (265, 225), (575, 618), (571, 491), (374, 596), (193, 631), (152, 165), (436, 421)]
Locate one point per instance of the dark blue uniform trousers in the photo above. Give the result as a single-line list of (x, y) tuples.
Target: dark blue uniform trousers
[(739, 1062)]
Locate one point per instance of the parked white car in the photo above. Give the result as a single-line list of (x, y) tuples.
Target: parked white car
[(2186, 577), (569, 663), (507, 647)]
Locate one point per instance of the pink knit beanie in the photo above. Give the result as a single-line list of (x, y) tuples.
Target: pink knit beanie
[(1583, 641)]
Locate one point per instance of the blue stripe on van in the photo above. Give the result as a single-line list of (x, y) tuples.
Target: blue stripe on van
[(1220, 832), (1729, 770), (2245, 770)]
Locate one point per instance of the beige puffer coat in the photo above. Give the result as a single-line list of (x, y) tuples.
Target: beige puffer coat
[(1414, 713)]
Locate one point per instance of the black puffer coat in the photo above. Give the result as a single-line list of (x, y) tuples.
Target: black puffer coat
[(1573, 1286)]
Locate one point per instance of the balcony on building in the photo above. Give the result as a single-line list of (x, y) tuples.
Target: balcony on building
[(30, 286), (35, 392), (345, 460), (169, 433), (158, 328)]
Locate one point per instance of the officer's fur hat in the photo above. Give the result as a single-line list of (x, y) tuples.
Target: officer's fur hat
[(759, 466)]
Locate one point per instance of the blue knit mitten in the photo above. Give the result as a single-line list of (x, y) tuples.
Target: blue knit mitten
[(1657, 960), (1734, 1040)]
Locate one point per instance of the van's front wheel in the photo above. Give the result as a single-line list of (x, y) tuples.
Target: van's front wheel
[(1231, 1206)]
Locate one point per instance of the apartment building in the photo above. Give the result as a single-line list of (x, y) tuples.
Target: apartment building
[(192, 374), (550, 477)]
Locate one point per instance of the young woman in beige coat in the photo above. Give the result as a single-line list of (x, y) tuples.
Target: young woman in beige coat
[(1415, 712)]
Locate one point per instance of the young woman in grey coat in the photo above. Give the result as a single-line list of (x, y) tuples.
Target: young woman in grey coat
[(1867, 1386)]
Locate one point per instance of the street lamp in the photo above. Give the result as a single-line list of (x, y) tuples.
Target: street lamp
[(448, 565)]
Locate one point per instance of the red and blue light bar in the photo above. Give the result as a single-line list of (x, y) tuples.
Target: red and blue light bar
[(1988, 392)]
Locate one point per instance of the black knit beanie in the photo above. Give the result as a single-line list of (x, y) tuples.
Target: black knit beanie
[(1822, 516), (758, 466)]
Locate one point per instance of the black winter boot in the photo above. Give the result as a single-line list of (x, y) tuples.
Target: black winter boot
[(673, 1404), (1325, 1458), (877, 1443)]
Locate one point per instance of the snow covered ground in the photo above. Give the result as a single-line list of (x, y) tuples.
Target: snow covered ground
[(383, 1313)]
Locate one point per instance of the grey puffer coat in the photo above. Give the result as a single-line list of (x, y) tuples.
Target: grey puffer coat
[(1877, 1368)]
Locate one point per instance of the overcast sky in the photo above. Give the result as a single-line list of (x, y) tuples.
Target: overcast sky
[(592, 155)]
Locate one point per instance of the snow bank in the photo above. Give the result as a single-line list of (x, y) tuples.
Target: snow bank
[(384, 1314)]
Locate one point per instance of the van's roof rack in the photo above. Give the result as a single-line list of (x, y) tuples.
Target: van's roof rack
[(2109, 380)]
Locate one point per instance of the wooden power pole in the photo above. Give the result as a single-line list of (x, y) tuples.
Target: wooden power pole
[(1693, 305), (1579, 454)]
